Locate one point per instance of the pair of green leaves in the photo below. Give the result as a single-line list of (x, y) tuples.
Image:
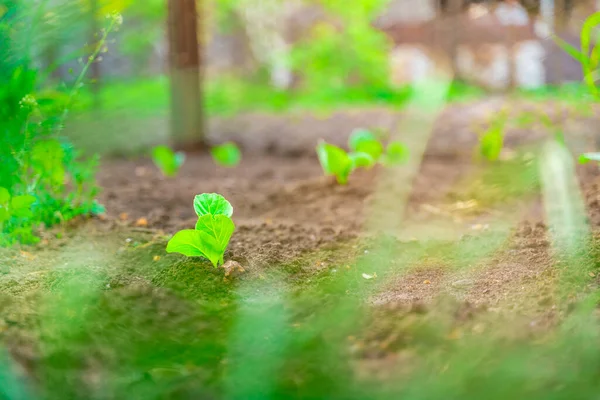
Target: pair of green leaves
[(213, 230), (366, 151), (18, 206), (168, 161), (363, 142)]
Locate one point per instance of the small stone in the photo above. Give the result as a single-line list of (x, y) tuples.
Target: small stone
[(141, 222), (233, 269)]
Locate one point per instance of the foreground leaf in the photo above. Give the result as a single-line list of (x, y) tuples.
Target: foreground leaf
[(20, 206), (187, 242), (4, 196), (212, 203), (215, 232), (47, 160)]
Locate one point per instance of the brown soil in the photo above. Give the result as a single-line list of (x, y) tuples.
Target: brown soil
[(284, 207)]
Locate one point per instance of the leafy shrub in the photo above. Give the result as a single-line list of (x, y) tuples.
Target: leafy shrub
[(212, 233), (43, 178)]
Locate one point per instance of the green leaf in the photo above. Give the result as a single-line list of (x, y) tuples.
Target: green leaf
[(364, 141), (361, 160), (47, 160), (215, 230), (228, 154), (187, 242), (212, 204), (167, 160), (358, 136), (492, 141), (20, 206), (569, 49), (4, 215), (209, 239), (587, 157), (4, 196), (560, 138), (397, 153), (334, 161)]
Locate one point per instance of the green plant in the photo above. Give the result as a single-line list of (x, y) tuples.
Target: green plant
[(227, 154), (167, 160), (491, 141), (335, 161), (45, 177), (364, 141), (367, 151), (212, 233), (588, 55)]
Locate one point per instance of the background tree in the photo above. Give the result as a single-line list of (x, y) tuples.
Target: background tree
[(184, 63)]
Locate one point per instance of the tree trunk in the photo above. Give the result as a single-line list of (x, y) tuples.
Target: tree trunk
[(184, 63), (95, 67), (454, 12)]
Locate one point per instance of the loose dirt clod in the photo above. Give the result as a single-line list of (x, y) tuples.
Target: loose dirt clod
[(233, 269)]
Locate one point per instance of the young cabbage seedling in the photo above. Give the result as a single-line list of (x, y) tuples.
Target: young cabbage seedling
[(492, 140), (367, 151), (227, 154), (213, 230), (364, 141), (335, 161), (167, 160)]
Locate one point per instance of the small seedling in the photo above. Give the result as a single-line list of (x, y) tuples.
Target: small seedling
[(363, 141), (228, 154), (335, 161), (492, 140), (167, 160), (212, 233), (366, 152), (587, 157)]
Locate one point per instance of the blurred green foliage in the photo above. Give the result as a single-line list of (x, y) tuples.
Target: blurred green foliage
[(43, 176)]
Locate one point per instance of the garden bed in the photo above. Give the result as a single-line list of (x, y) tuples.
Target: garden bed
[(330, 305)]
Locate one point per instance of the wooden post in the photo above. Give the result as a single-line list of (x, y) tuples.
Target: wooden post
[(559, 26), (454, 10), (95, 67), (184, 63)]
